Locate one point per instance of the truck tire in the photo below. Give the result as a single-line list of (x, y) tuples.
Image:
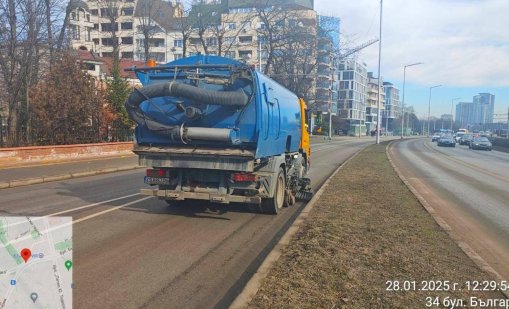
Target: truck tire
[(274, 204)]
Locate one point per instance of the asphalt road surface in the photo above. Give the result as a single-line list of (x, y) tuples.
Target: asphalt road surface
[(133, 251), (468, 188)]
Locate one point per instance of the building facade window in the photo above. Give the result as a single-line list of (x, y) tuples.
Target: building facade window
[(245, 39), (156, 42), (128, 11), (126, 26), (107, 27), (128, 40), (127, 55), (194, 41), (107, 41), (211, 41), (178, 43), (245, 54)]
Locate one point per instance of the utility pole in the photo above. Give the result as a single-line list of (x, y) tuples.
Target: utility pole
[(379, 79), (429, 106), (403, 103)]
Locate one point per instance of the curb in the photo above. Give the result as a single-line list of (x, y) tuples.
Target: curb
[(469, 251), (32, 181), (253, 285)]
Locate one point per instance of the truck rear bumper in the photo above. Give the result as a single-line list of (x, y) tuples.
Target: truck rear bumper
[(217, 198)]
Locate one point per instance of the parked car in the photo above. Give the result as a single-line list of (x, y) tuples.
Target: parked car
[(435, 137), (446, 141), (480, 143), (466, 139)]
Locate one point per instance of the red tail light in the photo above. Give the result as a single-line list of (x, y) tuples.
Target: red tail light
[(158, 172), (244, 177)]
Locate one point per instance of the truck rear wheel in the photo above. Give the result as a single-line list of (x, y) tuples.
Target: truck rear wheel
[(274, 204)]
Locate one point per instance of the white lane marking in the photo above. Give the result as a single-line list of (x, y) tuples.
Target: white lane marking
[(110, 210), (76, 221), (92, 205)]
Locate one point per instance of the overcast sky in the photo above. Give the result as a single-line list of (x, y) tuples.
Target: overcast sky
[(464, 45)]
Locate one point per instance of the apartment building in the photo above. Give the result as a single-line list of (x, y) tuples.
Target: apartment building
[(372, 102), (464, 114), (483, 108), (391, 106), (91, 28), (353, 78), (326, 73)]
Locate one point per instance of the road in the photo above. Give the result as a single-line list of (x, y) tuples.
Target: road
[(469, 189), (132, 251)]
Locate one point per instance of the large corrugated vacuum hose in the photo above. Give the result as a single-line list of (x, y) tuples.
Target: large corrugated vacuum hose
[(174, 89)]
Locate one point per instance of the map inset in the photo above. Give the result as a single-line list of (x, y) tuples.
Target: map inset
[(36, 262)]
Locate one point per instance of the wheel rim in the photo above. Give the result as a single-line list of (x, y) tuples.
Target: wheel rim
[(280, 192)]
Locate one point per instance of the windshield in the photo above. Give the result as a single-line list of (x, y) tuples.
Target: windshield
[(481, 139)]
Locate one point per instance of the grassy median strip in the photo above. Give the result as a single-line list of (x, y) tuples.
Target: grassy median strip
[(368, 243)]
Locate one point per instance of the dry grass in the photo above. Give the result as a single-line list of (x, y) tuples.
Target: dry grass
[(366, 229)]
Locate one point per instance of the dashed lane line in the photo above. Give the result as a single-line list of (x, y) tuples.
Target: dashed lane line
[(92, 205)]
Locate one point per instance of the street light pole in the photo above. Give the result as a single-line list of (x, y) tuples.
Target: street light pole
[(452, 108), (429, 106), (379, 77), (403, 103)]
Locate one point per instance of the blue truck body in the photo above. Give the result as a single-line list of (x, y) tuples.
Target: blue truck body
[(270, 123)]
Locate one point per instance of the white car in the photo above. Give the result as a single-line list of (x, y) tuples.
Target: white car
[(458, 136)]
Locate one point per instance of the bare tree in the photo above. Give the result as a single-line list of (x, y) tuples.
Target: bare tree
[(183, 24), (289, 39), (21, 27), (146, 13), (210, 22), (225, 38), (201, 17)]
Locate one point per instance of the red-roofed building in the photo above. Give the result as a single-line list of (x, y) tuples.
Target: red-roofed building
[(100, 67)]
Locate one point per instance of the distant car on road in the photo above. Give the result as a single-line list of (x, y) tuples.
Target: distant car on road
[(466, 139), (480, 143), (458, 136), (446, 141), (435, 137)]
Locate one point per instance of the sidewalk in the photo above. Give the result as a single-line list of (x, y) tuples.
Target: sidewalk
[(369, 243), (32, 173)]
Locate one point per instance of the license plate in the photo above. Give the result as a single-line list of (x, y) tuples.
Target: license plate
[(157, 180)]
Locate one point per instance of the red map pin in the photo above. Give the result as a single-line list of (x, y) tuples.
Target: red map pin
[(26, 254)]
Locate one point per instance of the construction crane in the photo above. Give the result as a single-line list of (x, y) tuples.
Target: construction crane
[(357, 48)]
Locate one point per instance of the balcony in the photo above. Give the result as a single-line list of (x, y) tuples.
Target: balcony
[(323, 85)]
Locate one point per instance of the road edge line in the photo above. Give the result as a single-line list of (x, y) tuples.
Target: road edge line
[(38, 180), (254, 283), (467, 249)]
